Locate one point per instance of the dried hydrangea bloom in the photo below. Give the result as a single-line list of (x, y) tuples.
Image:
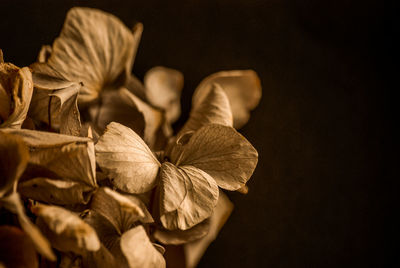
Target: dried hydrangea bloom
[(16, 89), (213, 156)]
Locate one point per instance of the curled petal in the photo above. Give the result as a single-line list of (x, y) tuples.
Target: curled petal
[(242, 87)]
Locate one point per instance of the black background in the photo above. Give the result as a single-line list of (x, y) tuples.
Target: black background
[(315, 197)]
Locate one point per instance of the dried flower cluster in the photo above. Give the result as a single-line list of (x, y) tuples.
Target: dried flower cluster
[(91, 173)]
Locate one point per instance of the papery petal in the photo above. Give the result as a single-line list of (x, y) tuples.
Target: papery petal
[(57, 192), (17, 84), (14, 157), (242, 87), (213, 108), (163, 90), (127, 160), (178, 237), (139, 251), (95, 48), (222, 153), (58, 153), (188, 196), (66, 231)]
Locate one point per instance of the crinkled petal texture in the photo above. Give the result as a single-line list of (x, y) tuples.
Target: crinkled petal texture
[(209, 106), (242, 87), (126, 159), (58, 153), (139, 251), (221, 152), (163, 90), (55, 100), (14, 157), (95, 48), (66, 231), (16, 88), (188, 196)]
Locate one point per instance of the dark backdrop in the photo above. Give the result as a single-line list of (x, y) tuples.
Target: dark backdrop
[(314, 200)]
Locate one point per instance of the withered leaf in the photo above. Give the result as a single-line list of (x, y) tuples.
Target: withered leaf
[(57, 192), (122, 211), (222, 153), (44, 53), (127, 159), (212, 108), (55, 100), (95, 48), (58, 153), (188, 196), (16, 88), (139, 251), (13, 203), (195, 250), (14, 157), (163, 90), (242, 87), (66, 231), (178, 237)]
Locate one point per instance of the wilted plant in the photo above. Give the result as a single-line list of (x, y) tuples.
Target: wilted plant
[(90, 165)]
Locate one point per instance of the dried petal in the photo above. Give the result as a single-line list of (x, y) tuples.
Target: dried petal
[(58, 153), (195, 250), (213, 108), (222, 153), (16, 88), (13, 203), (139, 251), (14, 157), (66, 231), (95, 48), (127, 159), (55, 100), (58, 192), (188, 196), (163, 90), (121, 211), (178, 237), (242, 87)]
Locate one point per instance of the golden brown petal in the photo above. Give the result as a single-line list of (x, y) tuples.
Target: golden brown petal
[(94, 48), (242, 87), (188, 196)]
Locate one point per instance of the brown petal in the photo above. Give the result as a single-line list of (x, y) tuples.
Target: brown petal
[(213, 108), (178, 237), (188, 196), (58, 153), (95, 48), (13, 203), (195, 250), (14, 157), (122, 211), (127, 159), (66, 231), (242, 87), (221, 152), (18, 85), (163, 90), (139, 251), (57, 192)]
